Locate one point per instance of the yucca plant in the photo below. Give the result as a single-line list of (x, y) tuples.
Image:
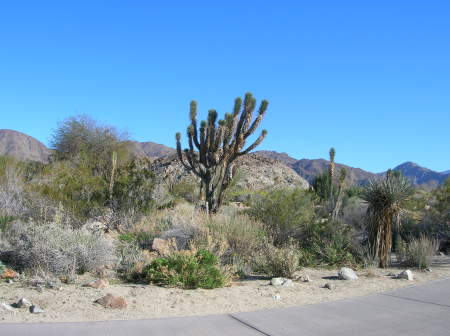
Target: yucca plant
[(385, 198)]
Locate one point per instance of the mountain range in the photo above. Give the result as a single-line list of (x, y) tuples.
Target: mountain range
[(25, 147)]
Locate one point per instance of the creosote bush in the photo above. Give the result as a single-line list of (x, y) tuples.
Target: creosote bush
[(186, 269), (280, 261), (418, 252)]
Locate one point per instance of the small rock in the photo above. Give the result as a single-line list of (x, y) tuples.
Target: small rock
[(40, 289), (8, 274), (391, 274), (429, 270), (277, 281), (407, 275), (288, 283), (23, 302), (305, 278), (111, 301), (34, 309), (346, 273), (329, 286), (6, 307), (10, 281), (54, 284), (276, 297), (281, 282), (441, 253), (98, 284)]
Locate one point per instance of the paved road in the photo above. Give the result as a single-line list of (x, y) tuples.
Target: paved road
[(415, 310)]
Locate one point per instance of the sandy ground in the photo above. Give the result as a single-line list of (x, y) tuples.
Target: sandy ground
[(75, 303)]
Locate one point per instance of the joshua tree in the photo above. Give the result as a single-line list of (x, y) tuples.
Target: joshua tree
[(385, 199), (215, 146)]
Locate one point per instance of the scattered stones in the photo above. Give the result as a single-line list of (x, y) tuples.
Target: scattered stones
[(346, 273), (98, 284), (35, 309), (23, 302), (8, 274), (276, 297), (111, 301), (329, 286), (281, 282), (407, 275)]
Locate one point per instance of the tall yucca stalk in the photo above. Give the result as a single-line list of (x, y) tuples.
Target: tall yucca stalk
[(215, 146), (385, 199)]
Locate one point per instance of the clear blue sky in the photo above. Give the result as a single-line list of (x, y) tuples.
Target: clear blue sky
[(371, 78)]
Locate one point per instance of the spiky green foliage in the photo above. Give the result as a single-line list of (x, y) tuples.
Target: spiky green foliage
[(385, 199), (215, 146)]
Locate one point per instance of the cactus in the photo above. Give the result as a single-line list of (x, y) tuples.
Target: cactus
[(215, 146)]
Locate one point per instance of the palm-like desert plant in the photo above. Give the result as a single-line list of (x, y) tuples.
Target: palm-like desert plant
[(385, 199)]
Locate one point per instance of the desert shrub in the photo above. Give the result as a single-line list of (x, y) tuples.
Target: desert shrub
[(58, 250), (187, 270), (330, 243), (280, 261), (2, 267), (142, 239), (285, 213), (242, 234), (418, 252)]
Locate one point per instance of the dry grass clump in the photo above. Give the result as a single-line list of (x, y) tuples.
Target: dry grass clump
[(278, 261), (418, 252)]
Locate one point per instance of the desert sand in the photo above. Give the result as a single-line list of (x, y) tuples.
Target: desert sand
[(76, 303)]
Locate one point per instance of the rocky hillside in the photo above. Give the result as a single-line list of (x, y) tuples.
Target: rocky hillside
[(309, 169), (255, 173), (22, 147)]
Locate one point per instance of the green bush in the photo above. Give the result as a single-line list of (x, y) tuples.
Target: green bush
[(328, 243), (186, 270), (2, 267), (285, 213)]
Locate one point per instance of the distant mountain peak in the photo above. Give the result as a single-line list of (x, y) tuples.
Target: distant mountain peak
[(22, 147)]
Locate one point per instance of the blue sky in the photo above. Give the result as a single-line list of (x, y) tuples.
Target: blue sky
[(371, 78)]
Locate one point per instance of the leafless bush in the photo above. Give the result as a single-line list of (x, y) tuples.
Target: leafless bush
[(418, 252), (59, 250)]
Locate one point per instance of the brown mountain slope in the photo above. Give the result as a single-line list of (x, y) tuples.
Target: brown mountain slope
[(22, 147), (150, 149), (255, 172)]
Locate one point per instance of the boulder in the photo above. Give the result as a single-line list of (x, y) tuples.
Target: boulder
[(346, 273), (329, 286), (407, 275), (277, 281), (97, 284), (35, 309), (23, 302), (111, 301)]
